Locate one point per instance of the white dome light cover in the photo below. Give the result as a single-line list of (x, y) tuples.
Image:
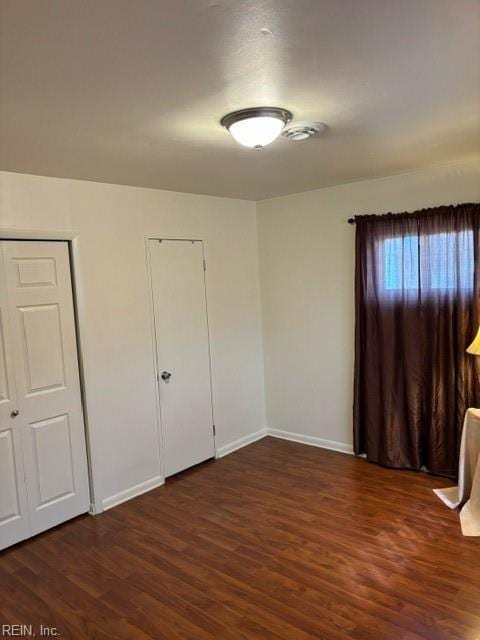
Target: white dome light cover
[(256, 132), (256, 127)]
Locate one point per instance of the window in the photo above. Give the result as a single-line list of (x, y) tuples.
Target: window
[(435, 262)]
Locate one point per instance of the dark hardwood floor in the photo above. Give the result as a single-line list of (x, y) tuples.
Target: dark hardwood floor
[(278, 540)]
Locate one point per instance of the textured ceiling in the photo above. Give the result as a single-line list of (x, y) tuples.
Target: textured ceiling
[(132, 91)]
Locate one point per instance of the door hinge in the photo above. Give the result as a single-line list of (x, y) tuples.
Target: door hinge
[(214, 431), (204, 264)]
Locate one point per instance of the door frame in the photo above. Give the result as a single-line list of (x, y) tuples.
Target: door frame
[(78, 310), (161, 434)]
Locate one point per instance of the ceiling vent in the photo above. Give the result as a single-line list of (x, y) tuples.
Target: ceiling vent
[(303, 130)]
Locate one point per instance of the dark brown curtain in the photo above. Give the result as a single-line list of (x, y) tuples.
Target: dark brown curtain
[(417, 309)]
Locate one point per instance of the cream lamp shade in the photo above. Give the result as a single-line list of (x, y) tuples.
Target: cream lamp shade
[(474, 348)]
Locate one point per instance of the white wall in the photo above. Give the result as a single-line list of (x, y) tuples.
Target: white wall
[(110, 223), (307, 285), (306, 253)]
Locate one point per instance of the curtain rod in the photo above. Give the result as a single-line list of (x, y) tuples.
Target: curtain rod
[(427, 210)]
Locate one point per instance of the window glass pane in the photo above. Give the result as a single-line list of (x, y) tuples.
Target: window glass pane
[(401, 263), (436, 262)]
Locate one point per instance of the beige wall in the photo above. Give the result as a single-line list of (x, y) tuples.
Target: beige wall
[(306, 253), (110, 223)]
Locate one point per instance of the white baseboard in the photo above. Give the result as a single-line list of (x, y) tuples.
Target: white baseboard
[(311, 440), (134, 491), (242, 442), (285, 435)]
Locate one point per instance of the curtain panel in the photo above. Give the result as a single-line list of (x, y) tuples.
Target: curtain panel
[(417, 297)]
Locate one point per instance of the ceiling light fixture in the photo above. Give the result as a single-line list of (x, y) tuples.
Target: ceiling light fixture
[(256, 127), (303, 130)]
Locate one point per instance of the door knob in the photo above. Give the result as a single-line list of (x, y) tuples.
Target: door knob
[(165, 375), (14, 413)]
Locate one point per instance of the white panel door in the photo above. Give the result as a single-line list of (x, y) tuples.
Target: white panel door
[(40, 301), (183, 358), (14, 523)]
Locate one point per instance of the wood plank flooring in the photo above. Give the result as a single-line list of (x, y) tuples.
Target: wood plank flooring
[(278, 540)]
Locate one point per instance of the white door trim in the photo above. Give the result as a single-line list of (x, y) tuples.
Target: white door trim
[(6, 233), (147, 238)]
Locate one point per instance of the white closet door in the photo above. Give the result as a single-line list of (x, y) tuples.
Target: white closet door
[(39, 294), (181, 327), (14, 524)]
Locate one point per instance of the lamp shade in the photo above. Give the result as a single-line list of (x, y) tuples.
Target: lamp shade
[(474, 348)]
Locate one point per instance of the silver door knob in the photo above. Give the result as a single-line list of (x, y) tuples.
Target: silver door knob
[(165, 375), (14, 413)]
